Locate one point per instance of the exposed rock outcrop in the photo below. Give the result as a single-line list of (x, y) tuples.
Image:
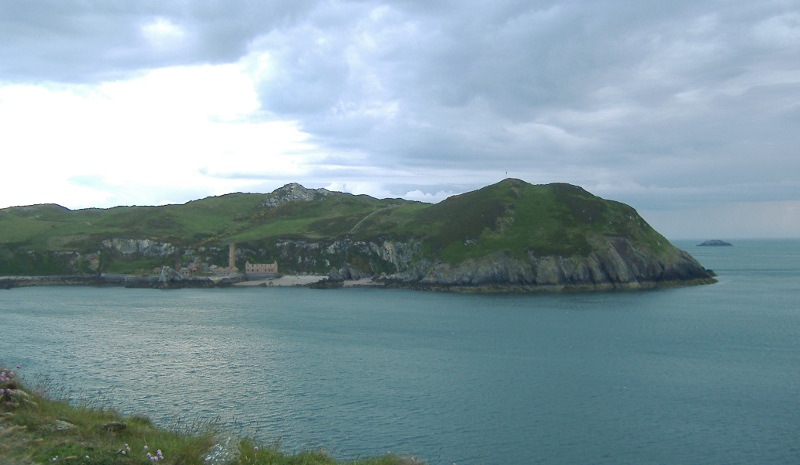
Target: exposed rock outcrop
[(142, 247), (293, 193)]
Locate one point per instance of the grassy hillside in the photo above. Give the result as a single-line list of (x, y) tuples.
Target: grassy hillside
[(512, 217), (516, 217), (335, 216), (214, 220), (52, 227)]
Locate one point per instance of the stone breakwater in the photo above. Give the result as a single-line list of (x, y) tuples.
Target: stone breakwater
[(154, 282), (8, 282)]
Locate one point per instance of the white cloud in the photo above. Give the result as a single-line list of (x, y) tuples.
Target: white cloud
[(428, 197), (185, 128), (164, 35)]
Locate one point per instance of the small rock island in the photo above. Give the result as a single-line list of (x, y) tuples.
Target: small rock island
[(715, 243)]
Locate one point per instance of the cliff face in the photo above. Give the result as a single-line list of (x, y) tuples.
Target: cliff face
[(619, 266), (616, 264), (143, 247)]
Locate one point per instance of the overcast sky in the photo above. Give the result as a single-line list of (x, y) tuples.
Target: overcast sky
[(687, 110)]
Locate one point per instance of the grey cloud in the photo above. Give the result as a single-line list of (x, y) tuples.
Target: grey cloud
[(518, 68), (77, 41)]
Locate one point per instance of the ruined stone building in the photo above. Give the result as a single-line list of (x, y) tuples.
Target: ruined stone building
[(261, 268)]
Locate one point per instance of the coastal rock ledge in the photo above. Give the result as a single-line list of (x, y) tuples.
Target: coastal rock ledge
[(617, 265)]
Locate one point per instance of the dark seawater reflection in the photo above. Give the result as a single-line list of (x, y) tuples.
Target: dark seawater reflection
[(693, 375)]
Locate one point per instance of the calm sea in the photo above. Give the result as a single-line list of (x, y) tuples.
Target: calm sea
[(700, 375)]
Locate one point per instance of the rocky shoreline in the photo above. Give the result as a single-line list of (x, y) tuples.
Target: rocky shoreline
[(10, 282), (614, 263)]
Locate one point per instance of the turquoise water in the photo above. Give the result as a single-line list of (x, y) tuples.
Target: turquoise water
[(696, 375)]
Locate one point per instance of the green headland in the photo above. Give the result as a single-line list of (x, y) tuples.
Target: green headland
[(507, 236)]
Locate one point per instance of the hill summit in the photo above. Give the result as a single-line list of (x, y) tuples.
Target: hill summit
[(293, 192), (511, 235)]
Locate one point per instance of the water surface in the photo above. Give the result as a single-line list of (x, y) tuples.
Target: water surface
[(695, 375)]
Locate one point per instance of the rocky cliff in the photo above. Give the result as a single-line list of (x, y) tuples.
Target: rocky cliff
[(293, 192), (617, 264)]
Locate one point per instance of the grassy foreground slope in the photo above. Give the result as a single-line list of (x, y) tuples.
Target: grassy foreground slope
[(35, 429)]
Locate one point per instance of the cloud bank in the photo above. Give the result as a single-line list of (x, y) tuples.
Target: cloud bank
[(678, 108)]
